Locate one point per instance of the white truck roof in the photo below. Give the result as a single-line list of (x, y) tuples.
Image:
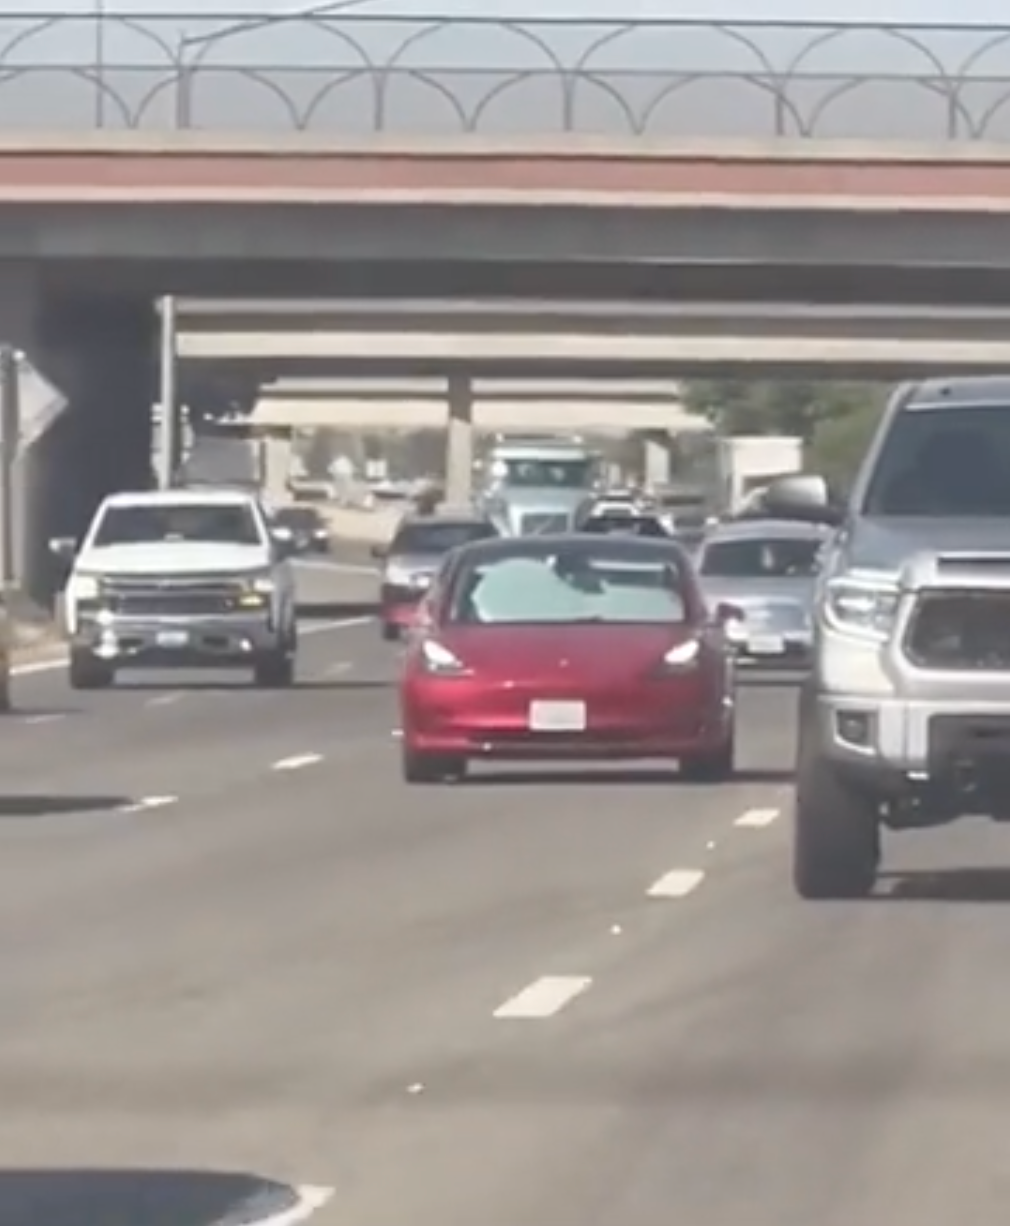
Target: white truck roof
[(181, 497)]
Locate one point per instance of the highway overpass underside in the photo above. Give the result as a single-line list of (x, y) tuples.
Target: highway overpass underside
[(943, 281), (101, 353)]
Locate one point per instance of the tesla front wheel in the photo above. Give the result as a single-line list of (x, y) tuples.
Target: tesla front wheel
[(390, 633), (714, 767), (836, 836), (431, 768)]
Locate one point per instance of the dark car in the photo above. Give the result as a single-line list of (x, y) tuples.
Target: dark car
[(308, 529), (630, 523), (415, 554)]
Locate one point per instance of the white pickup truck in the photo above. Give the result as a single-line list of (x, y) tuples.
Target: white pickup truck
[(180, 579)]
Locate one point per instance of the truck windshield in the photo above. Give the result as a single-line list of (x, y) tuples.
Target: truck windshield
[(150, 524), (548, 473), (948, 461)]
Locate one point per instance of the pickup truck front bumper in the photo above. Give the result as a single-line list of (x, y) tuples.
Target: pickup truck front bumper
[(233, 639), (900, 745)]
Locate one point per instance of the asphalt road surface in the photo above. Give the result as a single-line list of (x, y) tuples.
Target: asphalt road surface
[(236, 949)]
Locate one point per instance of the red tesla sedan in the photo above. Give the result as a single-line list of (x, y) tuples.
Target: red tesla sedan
[(571, 647)]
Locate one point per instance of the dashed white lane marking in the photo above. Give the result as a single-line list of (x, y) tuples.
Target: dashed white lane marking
[(148, 802), (297, 762), (310, 1200), (340, 623), (544, 997), (45, 719), (757, 817), (678, 883), (163, 700), (338, 669)]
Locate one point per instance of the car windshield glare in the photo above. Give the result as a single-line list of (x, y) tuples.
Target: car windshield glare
[(578, 588), (162, 523), (763, 558), (948, 461), (438, 538)]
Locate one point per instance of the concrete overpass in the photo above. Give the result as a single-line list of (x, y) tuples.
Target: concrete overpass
[(94, 226)]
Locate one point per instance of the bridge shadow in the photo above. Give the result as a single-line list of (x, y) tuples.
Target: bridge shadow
[(40, 804), (66, 1197)]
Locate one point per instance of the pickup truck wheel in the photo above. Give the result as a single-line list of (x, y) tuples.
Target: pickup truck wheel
[(714, 767), (6, 704), (86, 672), (275, 670), (836, 836)]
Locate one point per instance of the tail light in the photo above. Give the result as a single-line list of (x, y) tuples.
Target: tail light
[(438, 660), (682, 657)]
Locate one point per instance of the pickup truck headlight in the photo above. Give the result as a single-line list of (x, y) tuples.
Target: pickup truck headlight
[(863, 607), (257, 589), (84, 587)]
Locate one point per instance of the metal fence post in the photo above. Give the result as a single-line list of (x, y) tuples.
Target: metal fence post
[(168, 449), (10, 432)]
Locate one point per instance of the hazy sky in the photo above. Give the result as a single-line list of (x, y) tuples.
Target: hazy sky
[(268, 75)]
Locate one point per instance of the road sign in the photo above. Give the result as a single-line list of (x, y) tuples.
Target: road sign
[(41, 403)]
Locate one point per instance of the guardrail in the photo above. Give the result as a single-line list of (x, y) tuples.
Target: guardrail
[(339, 70)]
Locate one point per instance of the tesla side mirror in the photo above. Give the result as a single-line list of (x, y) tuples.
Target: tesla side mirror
[(63, 547), (805, 496)]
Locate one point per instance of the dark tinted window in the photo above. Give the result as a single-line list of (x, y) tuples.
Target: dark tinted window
[(438, 537), (948, 461), (207, 523), (570, 585), (298, 517), (764, 558), (630, 525)]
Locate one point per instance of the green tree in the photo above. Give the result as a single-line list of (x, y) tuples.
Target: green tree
[(835, 419)]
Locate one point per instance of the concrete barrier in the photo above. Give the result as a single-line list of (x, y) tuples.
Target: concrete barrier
[(373, 527)]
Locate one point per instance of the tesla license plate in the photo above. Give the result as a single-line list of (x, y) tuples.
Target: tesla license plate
[(766, 645), (172, 638), (557, 716)]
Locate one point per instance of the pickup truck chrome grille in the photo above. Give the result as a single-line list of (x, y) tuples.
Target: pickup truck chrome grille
[(965, 631), (171, 596)]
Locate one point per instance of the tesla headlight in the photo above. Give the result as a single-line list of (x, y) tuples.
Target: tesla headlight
[(865, 607), (85, 587), (437, 658), (682, 655)]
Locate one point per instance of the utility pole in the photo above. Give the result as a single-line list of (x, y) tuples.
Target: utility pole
[(10, 444), (168, 395)]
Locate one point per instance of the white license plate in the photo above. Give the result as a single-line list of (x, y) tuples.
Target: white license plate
[(172, 638), (557, 716), (766, 645)]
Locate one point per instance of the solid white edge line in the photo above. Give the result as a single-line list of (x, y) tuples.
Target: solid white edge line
[(60, 661), (677, 883), (310, 1200), (757, 818), (297, 761), (544, 997)]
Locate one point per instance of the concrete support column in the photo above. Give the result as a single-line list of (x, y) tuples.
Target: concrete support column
[(656, 458), (102, 354), (459, 440), (277, 467)]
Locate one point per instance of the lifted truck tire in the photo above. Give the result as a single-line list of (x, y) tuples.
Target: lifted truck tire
[(836, 835), (87, 672), (714, 767), (275, 670), (431, 768)]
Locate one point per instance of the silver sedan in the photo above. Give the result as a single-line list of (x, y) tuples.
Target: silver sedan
[(767, 570)]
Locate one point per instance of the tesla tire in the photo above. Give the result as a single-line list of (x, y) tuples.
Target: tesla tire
[(87, 672), (716, 766), (836, 835), (390, 633), (431, 768)]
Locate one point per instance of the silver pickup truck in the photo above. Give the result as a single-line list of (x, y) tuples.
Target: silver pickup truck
[(905, 718), (180, 579)]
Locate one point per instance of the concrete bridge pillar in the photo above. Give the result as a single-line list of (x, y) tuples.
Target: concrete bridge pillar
[(656, 457), (101, 354), (459, 441)]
